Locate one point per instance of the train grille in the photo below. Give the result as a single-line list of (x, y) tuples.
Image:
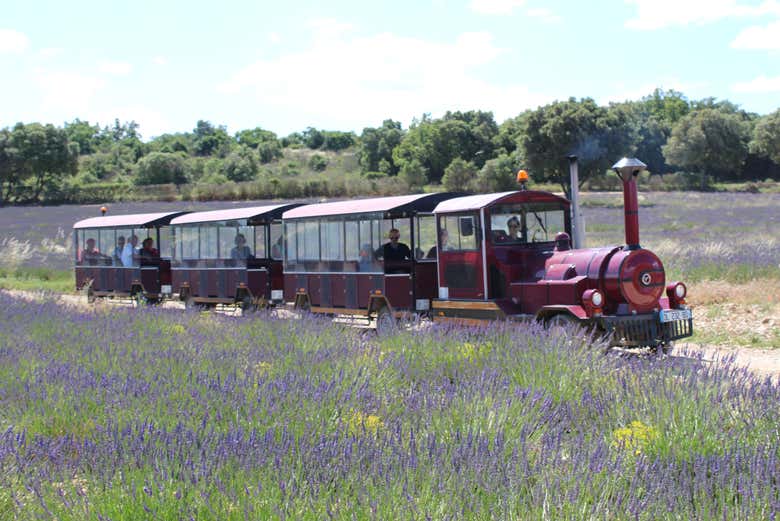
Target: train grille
[(645, 330)]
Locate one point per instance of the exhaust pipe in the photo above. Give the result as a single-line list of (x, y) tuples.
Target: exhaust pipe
[(578, 224), (627, 170)]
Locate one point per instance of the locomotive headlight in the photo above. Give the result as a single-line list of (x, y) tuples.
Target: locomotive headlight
[(676, 291), (592, 301)]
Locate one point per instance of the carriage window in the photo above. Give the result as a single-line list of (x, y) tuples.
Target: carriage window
[(402, 225), (107, 243), (352, 240), (87, 238), (166, 242), (208, 242), (426, 237), (461, 231), (277, 244), (332, 240), (370, 234), (259, 240), (291, 245), (309, 241), (226, 240), (521, 223), (187, 242)]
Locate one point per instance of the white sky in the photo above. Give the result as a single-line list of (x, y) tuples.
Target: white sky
[(346, 65)]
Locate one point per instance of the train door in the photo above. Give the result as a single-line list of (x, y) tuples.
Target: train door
[(461, 269)]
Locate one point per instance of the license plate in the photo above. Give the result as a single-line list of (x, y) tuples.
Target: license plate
[(672, 315)]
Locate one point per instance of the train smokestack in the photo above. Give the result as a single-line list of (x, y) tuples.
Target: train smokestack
[(578, 240), (627, 170)]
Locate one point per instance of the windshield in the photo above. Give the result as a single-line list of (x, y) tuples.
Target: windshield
[(524, 223)]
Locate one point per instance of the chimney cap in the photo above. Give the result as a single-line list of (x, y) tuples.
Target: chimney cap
[(630, 163)]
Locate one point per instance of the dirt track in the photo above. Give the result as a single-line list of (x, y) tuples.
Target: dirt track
[(763, 361)]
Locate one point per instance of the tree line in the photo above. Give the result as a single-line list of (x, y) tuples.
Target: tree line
[(705, 140)]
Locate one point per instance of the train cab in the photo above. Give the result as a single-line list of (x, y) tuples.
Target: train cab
[(487, 242), (124, 256), (231, 256), (371, 257)]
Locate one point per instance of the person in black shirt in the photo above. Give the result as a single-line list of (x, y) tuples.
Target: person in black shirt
[(395, 251)]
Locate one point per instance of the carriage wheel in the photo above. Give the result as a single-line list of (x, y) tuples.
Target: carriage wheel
[(385, 322), (561, 324), (189, 303), (248, 305)]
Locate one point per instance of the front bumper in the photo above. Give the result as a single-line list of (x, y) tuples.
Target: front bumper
[(644, 330)]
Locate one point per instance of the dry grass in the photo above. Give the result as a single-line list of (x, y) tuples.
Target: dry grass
[(762, 292)]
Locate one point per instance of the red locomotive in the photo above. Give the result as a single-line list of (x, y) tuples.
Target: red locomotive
[(512, 258)]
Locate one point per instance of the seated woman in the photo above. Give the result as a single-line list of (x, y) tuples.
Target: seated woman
[(241, 251), (444, 237)]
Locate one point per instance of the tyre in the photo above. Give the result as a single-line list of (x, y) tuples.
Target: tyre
[(248, 304), (385, 322)]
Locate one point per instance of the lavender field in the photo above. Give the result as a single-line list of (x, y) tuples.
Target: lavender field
[(126, 414)]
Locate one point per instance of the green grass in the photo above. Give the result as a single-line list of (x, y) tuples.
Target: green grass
[(37, 279)]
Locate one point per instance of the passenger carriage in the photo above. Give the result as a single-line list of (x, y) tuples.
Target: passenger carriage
[(334, 256), (107, 264), (231, 256)]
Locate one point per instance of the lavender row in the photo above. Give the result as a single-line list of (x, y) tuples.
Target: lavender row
[(127, 414)]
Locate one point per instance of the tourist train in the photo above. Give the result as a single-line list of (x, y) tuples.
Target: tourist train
[(455, 258)]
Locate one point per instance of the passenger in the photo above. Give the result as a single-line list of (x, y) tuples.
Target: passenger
[(120, 245), (444, 237), (90, 254), (365, 259), (148, 250), (513, 229), (129, 252), (241, 251), (277, 250), (394, 250)]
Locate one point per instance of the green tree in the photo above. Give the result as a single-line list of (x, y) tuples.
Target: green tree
[(375, 152), (252, 138), (318, 162), (414, 174), (313, 138), (667, 106), (459, 175), (334, 140), (435, 143), (161, 168), (210, 140), (498, 175), (596, 135), (43, 156), (179, 142), (709, 141), (9, 175), (88, 137), (241, 164), (766, 137)]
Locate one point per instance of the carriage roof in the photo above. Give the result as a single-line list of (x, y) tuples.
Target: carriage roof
[(397, 206), (254, 213), (138, 220), (476, 202)]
